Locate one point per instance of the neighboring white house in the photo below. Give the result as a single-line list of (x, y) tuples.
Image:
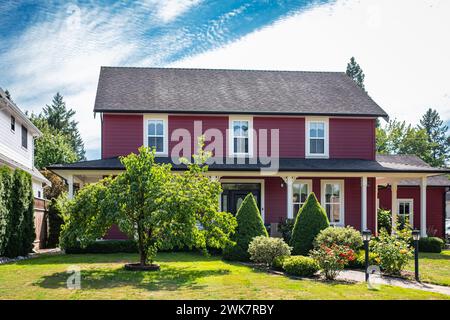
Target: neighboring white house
[(17, 134)]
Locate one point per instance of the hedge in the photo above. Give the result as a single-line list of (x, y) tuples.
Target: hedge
[(250, 225), (300, 266), (311, 219), (105, 246), (17, 216), (431, 244)]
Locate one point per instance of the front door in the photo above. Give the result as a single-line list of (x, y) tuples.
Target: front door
[(234, 194)]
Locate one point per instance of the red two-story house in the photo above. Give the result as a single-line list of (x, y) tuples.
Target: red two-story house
[(277, 134)]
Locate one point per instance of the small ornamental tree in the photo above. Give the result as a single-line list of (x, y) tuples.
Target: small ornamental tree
[(249, 226), (311, 219), (152, 205)]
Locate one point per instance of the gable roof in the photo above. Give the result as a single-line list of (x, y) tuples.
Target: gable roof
[(412, 161), (13, 109), (175, 90)]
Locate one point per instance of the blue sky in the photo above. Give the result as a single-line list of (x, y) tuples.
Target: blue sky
[(49, 46)]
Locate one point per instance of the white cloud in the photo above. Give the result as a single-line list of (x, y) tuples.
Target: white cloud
[(401, 45), (168, 10)]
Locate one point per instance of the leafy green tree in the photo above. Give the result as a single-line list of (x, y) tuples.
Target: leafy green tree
[(52, 147), (8, 95), (399, 138), (437, 136), (152, 205), (59, 117), (249, 226), (355, 72), (310, 220)]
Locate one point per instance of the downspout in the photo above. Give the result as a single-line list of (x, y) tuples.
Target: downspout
[(444, 215)]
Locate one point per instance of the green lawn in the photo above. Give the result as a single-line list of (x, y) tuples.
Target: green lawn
[(434, 267), (182, 276)]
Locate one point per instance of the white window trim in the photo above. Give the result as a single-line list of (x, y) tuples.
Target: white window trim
[(302, 181), (164, 118), (231, 152), (411, 215), (326, 148), (342, 200)]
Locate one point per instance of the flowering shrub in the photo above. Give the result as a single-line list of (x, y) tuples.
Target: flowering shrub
[(393, 251), (347, 236), (332, 259), (263, 249)]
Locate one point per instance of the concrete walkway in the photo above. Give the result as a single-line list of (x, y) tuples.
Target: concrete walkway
[(359, 276)]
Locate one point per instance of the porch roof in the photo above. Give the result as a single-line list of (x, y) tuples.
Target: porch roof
[(380, 165)]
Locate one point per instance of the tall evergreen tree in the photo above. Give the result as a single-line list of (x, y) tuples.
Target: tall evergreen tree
[(355, 72), (59, 117), (8, 95), (439, 141)]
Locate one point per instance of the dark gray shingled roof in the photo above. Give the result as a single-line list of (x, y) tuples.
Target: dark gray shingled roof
[(285, 164), (173, 90)]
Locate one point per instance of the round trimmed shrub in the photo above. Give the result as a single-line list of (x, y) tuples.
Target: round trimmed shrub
[(347, 236), (264, 249), (300, 266), (277, 263), (431, 244), (311, 219), (249, 225)]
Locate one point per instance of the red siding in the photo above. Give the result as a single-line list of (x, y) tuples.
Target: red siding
[(115, 234), (352, 138), (207, 122), (291, 136), (352, 204), (435, 205), (121, 134), (275, 208)]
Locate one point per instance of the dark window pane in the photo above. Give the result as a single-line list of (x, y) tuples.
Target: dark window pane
[(159, 144), (312, 146), (24, 137), (320, 146), (13, 123), (235, 148), (246, 145)]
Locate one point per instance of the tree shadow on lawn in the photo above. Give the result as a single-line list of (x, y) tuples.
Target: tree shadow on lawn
[(168, 278), (98, 258), (434, 256)]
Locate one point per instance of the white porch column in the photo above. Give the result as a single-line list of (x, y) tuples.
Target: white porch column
[(394, 204), (423, 207), (363, 203), (70, 186), (376, 207), (290, 195)]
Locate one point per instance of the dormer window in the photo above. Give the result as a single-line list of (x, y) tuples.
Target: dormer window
[(156, 133), (13, 124), (316, 138), (241, 137)]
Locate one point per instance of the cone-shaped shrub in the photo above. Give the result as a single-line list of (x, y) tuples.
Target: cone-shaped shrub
[(6, 182), (249, 225), (311, 219)]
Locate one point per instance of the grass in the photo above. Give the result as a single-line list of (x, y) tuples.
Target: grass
[(182, 276), (433, 267)]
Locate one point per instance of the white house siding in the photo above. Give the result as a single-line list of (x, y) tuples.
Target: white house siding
[(11, 141)]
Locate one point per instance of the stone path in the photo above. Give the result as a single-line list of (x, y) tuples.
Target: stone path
[(359, 276)]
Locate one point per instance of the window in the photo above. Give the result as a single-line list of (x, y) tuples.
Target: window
[(333, 200), (405, 208), (13, 123), (301, 190), (156, 135), (317, 138), (24, 137), (241, 137)]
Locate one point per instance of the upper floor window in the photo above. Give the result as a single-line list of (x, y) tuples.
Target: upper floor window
[(13, 123), (301, 190), (156, 134), (317, 138), (333, 200), (24, 137), (241, 137)]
